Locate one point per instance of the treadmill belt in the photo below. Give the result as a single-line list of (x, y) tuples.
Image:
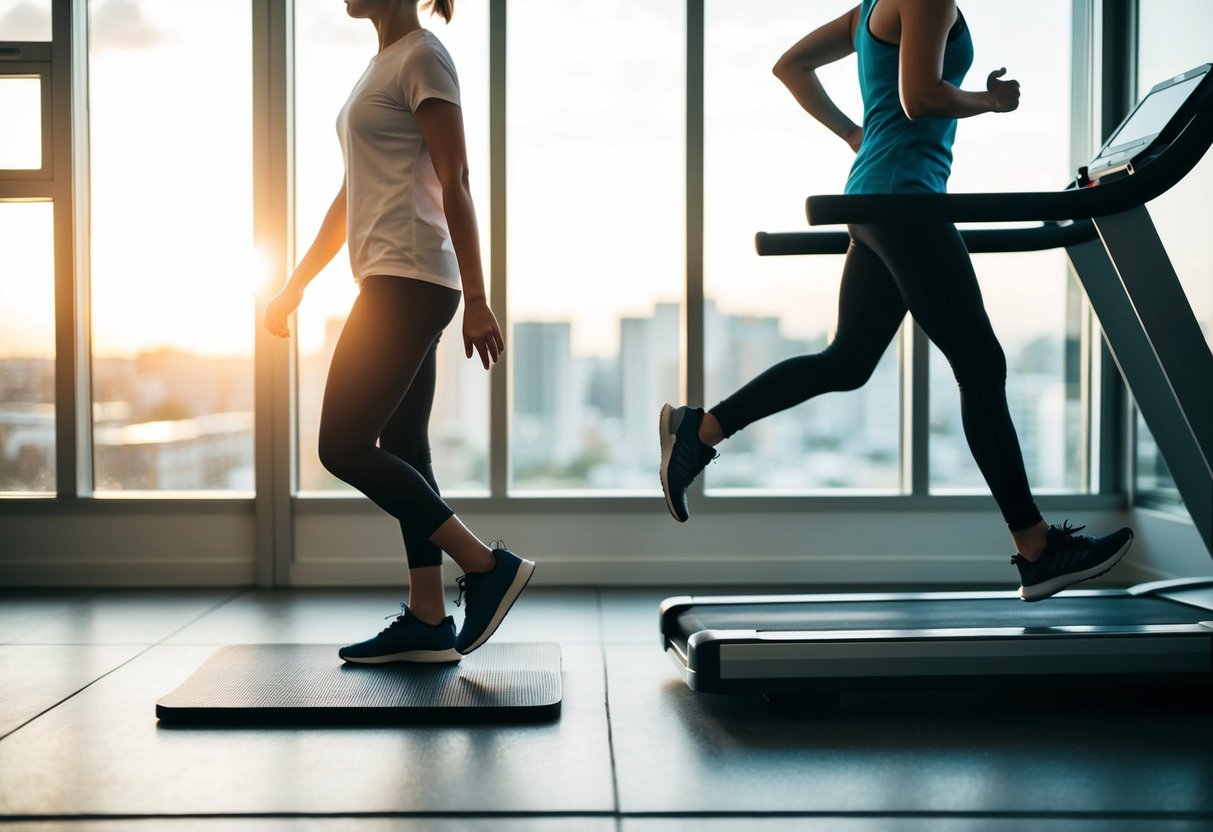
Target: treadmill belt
[(260, 684), (950, 614)]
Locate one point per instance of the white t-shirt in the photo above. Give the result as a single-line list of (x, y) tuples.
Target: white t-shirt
[(395, 224)]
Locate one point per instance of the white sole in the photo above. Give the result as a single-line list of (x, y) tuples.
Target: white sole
[(1038, 592), (415, 656), (525, 570), (667, 448)]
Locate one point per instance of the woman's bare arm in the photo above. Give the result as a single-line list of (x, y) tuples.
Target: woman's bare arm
[(442, 127), (329, 240), (924, 93), (797, 69)]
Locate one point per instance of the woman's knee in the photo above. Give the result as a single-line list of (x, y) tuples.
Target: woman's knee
[(412, 446), (986, 366), (335, 450), (415, 455), (332, 456), (854, 378), (848, 369)]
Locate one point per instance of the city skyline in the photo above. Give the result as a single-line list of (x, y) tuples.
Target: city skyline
[(167, 420), (172, 212)]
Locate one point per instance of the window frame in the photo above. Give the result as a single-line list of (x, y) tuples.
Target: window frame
[(33, 67), (276, 507), (61, 66)]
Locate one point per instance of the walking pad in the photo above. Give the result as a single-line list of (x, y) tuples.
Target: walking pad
[(302, 684)]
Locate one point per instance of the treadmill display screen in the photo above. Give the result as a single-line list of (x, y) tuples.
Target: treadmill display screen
[(1153, 113)]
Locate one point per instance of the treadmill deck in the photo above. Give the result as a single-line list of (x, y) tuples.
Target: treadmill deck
[(911, 613), (842, 642)]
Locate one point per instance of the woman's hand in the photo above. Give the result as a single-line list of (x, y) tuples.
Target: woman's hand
[(480, 332), (278, 310), (1004, 95)]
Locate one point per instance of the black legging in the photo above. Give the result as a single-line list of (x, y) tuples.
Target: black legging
[(924, 268), (381, 387)]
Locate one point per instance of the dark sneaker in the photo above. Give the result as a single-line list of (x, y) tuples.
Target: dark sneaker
[(490, 596), (407, 639), (683, 456), (1069, 557)]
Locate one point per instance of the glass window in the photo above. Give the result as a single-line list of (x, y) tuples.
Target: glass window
[(331, 51), (1028, 296), (1174, 36), (1153, 479), (21, 129), (173, 268), (763, 157), (27, 347), (25, 20), (597, 263)]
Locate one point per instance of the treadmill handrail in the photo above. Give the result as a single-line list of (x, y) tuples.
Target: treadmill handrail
[(1146, 183), (977, 240)]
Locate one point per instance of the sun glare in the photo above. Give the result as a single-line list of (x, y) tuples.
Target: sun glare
[(172, 258), (27, 280)]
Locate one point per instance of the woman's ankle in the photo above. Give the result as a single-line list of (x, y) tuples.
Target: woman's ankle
[(429, 615), (710, 432), (1031, 542), (465, 548)]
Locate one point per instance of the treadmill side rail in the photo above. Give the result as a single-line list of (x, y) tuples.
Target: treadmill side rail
[(1173, 650), (1171, 584), (739, 661)]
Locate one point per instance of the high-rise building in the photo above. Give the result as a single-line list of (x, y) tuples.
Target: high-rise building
[(649, 362), (544, 430)]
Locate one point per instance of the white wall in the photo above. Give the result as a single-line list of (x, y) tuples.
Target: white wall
[(95, 544), (92, 544)]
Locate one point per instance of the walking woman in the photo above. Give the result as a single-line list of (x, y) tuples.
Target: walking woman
[(406, 212), (913, 56)]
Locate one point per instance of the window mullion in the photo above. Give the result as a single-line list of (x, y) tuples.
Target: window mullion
[(65, 133), (499, 381), (272, 164), (693, 307)]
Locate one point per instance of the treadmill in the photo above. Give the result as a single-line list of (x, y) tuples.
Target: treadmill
[(1159, 632)]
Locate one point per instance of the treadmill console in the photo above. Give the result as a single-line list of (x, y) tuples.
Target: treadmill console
[(1150, 127)]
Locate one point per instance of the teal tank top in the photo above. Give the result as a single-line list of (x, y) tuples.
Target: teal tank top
[(898, 155)]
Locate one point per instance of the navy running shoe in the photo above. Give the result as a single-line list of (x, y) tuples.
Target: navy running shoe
[(683, 456), (489, 596), (1068, 558), (407, 639)]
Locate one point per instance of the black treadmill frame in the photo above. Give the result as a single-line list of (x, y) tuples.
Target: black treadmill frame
[(1160, 350), (738, 661)]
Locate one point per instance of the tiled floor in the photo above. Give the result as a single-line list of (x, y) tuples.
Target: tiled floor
[(633, 750)]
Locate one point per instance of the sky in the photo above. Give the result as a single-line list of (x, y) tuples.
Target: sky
[(596, 170), (172, 258)]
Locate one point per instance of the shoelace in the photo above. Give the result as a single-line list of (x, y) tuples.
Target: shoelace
[(1068, 536), (399, 616), (462, 580)]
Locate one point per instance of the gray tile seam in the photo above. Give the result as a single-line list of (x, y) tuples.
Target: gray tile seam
[(118, 667), (74, 693), (606, 704)]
